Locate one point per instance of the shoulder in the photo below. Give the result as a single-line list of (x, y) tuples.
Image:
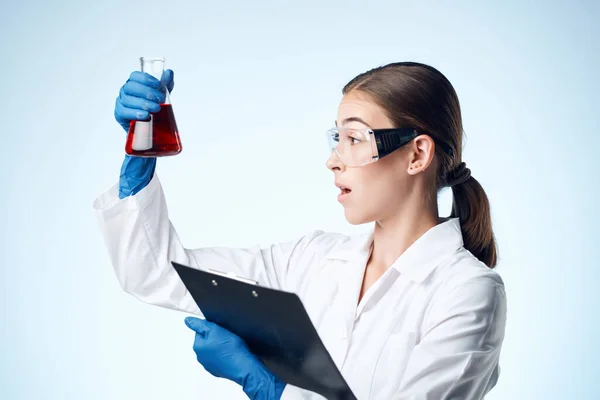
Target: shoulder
[(463, 268), (308, 254), (324, 242), (315, 247), (463, 285)]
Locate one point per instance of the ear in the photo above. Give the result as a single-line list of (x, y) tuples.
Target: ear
[(421, 154)]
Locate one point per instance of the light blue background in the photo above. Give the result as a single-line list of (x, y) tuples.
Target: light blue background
[(257, 83)]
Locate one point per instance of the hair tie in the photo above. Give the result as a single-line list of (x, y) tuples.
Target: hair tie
[(460, 175)]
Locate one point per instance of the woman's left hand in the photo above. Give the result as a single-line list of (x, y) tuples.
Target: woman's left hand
[(225, 355)]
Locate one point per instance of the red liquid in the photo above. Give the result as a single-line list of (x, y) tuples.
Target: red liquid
[(165, 137)]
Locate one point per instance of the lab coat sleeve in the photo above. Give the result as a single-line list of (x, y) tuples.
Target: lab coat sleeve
[(141, 242), (458, 355)]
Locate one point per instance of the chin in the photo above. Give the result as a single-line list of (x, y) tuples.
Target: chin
[(356, 218)]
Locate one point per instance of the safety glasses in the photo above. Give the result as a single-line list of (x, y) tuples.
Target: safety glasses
[(358, 147)]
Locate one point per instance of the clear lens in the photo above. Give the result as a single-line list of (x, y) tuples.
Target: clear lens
[(354, 147)]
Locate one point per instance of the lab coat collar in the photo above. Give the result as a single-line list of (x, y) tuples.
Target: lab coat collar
[(420, 259)]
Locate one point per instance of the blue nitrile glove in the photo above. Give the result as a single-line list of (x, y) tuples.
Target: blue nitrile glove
[(226, 355), (139, 96)]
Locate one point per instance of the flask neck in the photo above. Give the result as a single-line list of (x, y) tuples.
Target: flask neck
[(155, 66)]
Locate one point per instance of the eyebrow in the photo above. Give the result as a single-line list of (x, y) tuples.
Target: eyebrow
[(353, 119)]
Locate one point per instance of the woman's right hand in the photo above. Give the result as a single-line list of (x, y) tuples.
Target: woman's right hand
[(138, 97), (141, 95)]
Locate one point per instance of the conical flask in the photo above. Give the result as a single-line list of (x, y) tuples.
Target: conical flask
[(159, 136)]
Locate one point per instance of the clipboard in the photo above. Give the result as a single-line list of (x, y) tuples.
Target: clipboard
[(273, 323)]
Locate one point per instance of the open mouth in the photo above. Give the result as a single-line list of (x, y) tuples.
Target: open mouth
[(343, 189)]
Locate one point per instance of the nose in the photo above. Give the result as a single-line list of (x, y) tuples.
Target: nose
[(334, 162)]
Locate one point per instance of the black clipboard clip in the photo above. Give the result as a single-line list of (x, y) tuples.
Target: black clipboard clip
[(231, 275)]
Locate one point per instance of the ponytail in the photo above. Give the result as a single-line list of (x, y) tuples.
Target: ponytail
[(470, 204)]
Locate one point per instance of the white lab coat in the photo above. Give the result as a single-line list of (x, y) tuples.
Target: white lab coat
[(431, 328)]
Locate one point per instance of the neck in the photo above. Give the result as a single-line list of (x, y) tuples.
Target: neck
[(392, 236)]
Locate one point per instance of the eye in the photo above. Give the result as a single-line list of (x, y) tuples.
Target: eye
[(355, 140)]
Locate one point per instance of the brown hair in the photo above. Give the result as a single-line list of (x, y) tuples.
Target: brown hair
[(419, 96)]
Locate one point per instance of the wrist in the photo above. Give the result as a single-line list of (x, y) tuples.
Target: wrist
[(263, 385), (136, 173)]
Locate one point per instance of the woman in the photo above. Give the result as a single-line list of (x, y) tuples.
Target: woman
[(411, 310)]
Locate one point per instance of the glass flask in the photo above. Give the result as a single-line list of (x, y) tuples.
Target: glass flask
[(159, 136)]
